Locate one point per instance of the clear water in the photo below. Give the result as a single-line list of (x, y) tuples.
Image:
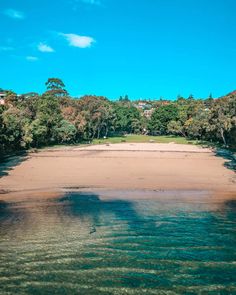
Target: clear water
[(83, 243)]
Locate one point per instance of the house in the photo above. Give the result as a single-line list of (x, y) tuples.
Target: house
[(142, 105), (2, 97), (2, 94)]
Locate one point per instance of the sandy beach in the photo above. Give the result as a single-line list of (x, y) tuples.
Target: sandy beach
[(147, 166)]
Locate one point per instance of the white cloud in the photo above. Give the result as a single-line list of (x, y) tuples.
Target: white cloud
[(14, 14), (76, 4), (45, 48), (31, 58), (92, 2), (78, 41), (6, 48)]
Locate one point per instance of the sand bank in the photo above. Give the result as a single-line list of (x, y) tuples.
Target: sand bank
[(122, 166)]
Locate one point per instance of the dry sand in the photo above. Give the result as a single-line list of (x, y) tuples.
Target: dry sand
[(122, 166)]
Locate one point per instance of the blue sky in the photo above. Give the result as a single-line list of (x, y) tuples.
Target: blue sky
[(143, 48)]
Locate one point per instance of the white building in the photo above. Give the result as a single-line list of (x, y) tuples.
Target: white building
[(2, 97)]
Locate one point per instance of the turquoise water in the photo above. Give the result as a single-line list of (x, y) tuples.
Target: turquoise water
[(87, 243)]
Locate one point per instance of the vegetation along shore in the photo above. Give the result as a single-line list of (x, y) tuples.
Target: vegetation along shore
[(32, 120)]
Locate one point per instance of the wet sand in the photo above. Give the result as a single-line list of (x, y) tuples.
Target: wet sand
[(118, 219), (138, 166)]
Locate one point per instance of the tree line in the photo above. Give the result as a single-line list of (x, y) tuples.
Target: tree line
[(33, 120)]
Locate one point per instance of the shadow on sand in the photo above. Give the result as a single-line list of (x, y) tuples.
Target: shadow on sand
[(10, 162), (230, 162)]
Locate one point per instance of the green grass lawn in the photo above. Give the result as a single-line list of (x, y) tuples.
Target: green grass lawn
[(144, 138), (131, 138)]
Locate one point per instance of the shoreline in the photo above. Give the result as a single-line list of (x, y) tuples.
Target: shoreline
[(126, 166)]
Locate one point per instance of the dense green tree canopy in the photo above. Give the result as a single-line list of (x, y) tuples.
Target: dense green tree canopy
[(33, 120), (161, 117)]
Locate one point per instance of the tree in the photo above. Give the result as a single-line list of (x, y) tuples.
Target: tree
[(38, 132), (128, 118), (10, 98), (55, 87), (65, 132), (223, 118), (32, 120), (209, 102), (175, 127), (161, 117), (191, 97), (13, 120), (49, 115), (96, 116), (126, 98)]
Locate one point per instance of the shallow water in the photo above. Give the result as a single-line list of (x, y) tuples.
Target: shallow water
[(88, 243)]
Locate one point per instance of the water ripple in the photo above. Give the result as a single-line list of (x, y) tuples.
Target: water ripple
[(81, 244)]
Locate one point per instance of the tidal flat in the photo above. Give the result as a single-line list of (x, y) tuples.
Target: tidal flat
[(118, 219)]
